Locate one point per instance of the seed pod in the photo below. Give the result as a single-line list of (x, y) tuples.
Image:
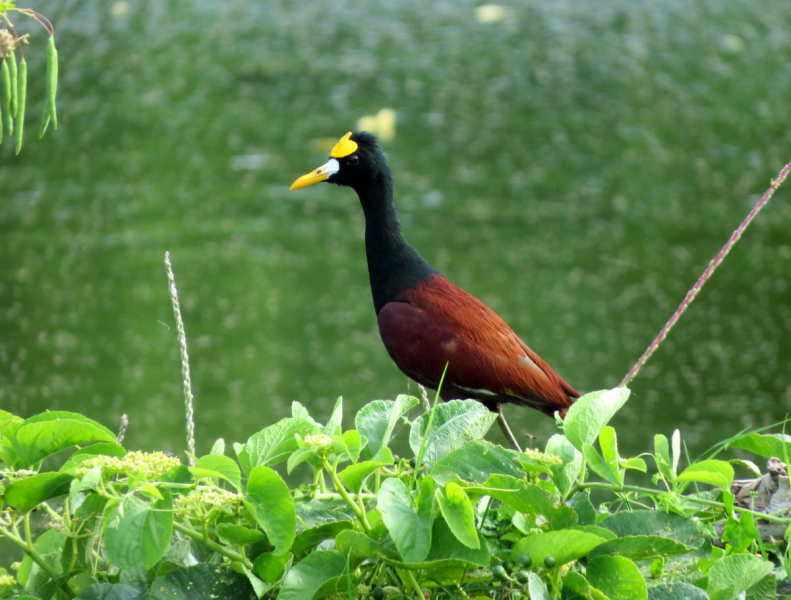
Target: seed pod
[(21, 93), (13, 70), (5, 76), (52, 87)]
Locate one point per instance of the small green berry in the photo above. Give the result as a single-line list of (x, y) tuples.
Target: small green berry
[(525, 561), (412, 462), (522, 577), (378, 594), (509, 565), (498, 572), (550, 562)]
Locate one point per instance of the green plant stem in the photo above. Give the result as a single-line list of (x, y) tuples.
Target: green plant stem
[(413, 582), (650, 492), (330, 496), (345, 495), (218, 548)]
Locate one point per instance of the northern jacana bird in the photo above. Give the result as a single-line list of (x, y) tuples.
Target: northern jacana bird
[(425, 321)]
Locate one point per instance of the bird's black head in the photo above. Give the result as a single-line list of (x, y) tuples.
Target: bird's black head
[(356, 161)]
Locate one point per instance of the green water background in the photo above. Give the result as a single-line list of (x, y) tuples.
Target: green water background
[(575, 165)]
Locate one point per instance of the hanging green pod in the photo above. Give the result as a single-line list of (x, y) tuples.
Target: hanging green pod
[(21, 94), (52, 87), (5, 81), (13, 70)]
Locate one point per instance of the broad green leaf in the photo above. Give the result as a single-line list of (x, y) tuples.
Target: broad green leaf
[(600, 467), (300, 412), (734, 574), (354, 476), (273, 507), (442, 572), (348, 445), (576, 587), (676, 591), (298, 457), (662, 457), (402, 405), (457, 511), (201, 582), (274, 443), (525, 498), (238, 534), (270, 567), (409, 525), (640, 547), (608, 442), (564, 475), (565, 545), (357, 547), (218, 449), (50, 432), (112, 591), (333, 426), (617, 577), (305, 579), (445, 545), (650, 522), (589, 414), (596, 530), (475, 462), (769, 445), (142, 533), (455, 424), (225, 467), (636, 463), (371, 421), (765, 589), (310, 538), (713, 472), (536, 588), (582, 505), (26, 494)]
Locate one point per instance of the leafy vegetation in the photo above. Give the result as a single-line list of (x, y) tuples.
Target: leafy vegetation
[(461, 518)]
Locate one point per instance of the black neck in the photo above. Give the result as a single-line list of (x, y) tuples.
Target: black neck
[(393, 265)]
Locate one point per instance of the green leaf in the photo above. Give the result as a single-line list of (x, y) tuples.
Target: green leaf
[(640, 547), (649, 522), (636, 463), (576, 587), (525, 498), (333, 426), (582, 505), (270, 567), (112, 591), (300, 412), (298, 457), (565, 545), (50, 432), (564, 475), (475, 462), (218, 448), (608, 442), (357, 547), (354, 476), (273, 444), (457, 511), (49, 546), (305, 579), (589, 414), (142, 533), (662, 457), (220, 466), (600, 467), (617, 577), (377, 420), (350, 446), (676, 591), (536, 588), (26, 494), (273, 507), (409, 524), (769, 445), (445, 545), (455, 424), (201, 582), (310, 538), (238, 534), (714, 472), (734, 574)]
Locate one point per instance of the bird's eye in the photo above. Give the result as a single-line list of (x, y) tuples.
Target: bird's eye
[(353, 160)]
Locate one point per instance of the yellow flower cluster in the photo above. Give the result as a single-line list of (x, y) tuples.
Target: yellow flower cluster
[(7, 581), (548, 460), (148, 465), (205, 502), (11, 475)]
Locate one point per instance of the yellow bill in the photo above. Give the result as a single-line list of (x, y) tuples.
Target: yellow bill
[(320, 174)]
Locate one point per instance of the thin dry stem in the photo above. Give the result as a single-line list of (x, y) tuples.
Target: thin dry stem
[(706, 275)]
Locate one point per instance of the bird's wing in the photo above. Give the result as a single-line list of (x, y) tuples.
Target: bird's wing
[(485, 358)]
